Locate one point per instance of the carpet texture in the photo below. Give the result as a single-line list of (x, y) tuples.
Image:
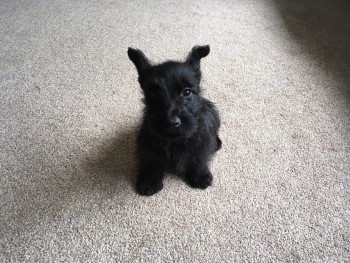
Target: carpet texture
[(70, 107)]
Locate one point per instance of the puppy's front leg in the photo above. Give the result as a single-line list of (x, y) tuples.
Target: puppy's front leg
[(199, 176), (150, 178)]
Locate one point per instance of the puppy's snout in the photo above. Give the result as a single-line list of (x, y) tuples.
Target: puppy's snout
[(174, 121)]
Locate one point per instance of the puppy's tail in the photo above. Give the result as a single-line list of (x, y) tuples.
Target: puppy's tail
[(218, 143)]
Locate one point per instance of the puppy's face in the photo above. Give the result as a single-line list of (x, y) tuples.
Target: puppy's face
[(172, 94)]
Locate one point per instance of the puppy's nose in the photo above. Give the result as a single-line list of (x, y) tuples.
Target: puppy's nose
[(174, 121)]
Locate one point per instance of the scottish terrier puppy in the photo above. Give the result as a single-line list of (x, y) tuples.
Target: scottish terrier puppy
[(179, 132)]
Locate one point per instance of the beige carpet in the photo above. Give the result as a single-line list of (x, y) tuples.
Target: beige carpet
[(279, 72)]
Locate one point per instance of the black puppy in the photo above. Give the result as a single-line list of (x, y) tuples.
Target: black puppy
[(179, 133)]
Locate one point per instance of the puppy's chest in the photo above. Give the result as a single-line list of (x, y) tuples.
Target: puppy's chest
[(177, 156)]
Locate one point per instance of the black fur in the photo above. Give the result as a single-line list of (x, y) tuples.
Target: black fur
[(179, 133)]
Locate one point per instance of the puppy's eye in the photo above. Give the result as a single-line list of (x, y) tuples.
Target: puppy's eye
[(186, 92)]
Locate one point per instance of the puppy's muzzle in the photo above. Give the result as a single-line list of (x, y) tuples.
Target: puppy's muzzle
[(174, 121)]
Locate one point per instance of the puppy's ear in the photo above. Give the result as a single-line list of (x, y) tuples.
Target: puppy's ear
[(196, 54), (139, 59)]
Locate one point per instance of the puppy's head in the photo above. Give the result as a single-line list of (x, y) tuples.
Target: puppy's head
[(171, 93)]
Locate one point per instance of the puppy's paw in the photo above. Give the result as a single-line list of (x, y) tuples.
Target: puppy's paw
[(201, 181), (149, 187)]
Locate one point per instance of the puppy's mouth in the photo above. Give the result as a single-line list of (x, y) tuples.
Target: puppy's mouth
[(181, 132), (175, 133), (161, 128), (176, 136)]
